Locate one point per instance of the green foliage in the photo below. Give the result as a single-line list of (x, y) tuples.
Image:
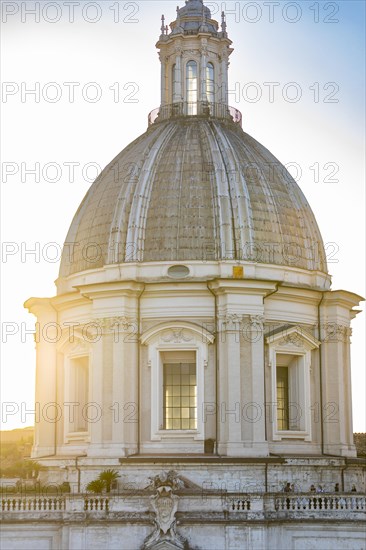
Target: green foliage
[(95, 486), (65, 487), (108, 477), (23, 469)]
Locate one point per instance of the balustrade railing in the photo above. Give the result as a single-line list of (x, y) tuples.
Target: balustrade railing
[(196, 109), (320, 502), (96, 504), (41, 504), (256, 503)]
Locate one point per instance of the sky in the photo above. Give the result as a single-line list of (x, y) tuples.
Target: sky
[(297, 75)]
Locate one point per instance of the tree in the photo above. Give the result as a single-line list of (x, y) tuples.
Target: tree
[(108, 477), (95, 486)]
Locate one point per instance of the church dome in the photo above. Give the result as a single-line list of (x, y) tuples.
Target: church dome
[(194, 188)]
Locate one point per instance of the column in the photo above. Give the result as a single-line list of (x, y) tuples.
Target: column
[(163, 80), (241, 367), (125, 386), (224, 79), (335, 315), (203, 91), (178, 78), (47, 334), (256, 413)]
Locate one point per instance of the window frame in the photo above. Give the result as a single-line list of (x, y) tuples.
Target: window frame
[(192, 106), (297, 343), (181, 362), (159, 339), (209, 80), (70, 433)]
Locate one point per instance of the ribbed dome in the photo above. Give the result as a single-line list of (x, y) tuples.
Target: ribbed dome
[(194, 189)]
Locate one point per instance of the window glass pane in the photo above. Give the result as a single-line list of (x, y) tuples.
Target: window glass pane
[(79, 391), (192, 87), (180, 401), (210, 83), (282, 398)]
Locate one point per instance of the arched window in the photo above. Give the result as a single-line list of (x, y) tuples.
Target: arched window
[(192, 87), (210, 83)]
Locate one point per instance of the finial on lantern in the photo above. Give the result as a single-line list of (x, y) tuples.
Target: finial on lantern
[(223, 22), (162, 24)]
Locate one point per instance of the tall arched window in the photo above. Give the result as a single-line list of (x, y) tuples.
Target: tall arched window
[(210, 83), (174, 84), (192, 87)]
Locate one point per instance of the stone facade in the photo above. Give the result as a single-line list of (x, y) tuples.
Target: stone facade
[(217, 385)]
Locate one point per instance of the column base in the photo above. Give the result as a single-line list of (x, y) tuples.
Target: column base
[(341, 450)]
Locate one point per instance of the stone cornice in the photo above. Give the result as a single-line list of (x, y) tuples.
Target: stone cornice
[(242, 286), (120, 288), (40, 306), (342, 298)]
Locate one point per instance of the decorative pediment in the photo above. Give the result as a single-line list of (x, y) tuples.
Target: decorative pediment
[(79, 348), (73, 342), (293, 337), (177, 332)]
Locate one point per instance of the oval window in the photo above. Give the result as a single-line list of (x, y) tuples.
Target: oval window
[(178, 271)]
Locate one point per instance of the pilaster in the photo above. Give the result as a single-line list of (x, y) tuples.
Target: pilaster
[(335, 316), (46, 337), (241, 404)]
